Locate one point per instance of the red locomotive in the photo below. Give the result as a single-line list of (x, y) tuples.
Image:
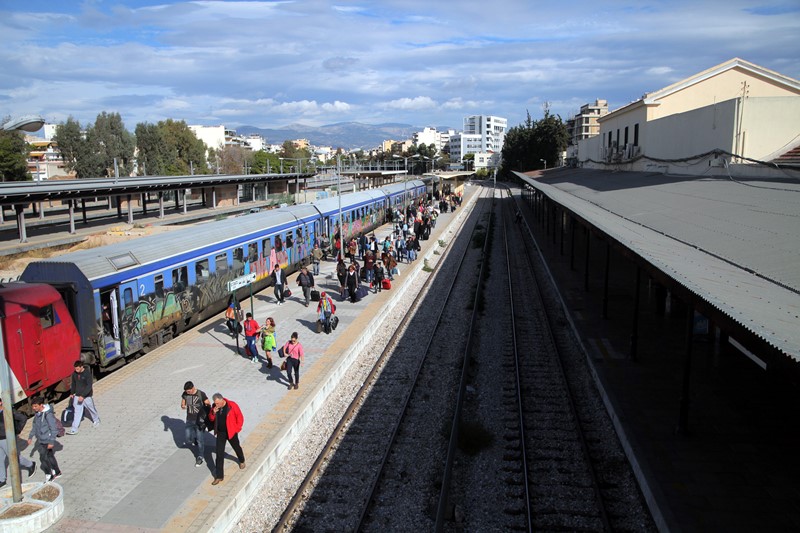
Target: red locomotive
[(40, 339)]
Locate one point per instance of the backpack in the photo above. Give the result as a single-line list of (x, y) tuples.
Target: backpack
[(268, 342), (60, 431)]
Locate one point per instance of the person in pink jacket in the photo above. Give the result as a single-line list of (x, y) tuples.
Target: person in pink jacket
[(228, 421), (293, 351)]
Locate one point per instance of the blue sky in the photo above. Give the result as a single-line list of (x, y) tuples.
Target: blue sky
[(273, 63)]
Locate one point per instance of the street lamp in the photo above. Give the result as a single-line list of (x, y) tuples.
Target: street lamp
[(29, 123), (339, 196), (545, 163)]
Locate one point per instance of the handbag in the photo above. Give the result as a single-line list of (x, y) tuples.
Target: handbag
[(314, 295), (283, 365), (287, 293)]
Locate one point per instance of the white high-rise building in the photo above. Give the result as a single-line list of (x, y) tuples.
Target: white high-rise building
[(462, 144), (491, 129)]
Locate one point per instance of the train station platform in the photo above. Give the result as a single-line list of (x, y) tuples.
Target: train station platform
[(737, 466), (133, 472)]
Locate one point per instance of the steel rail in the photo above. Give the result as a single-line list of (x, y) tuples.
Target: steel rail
[(297, 501), (548, 332), (444, 494)]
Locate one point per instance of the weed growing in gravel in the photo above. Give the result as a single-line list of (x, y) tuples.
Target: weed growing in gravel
[(442, 243), (426, 268), (473, 437)]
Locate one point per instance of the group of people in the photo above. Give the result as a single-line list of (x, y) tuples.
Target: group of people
[(45, 427), (222, 416)]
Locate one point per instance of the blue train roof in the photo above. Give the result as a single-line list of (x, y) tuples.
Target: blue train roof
[(102, 261)]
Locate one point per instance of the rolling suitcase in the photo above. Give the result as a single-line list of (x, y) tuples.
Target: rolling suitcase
[(314, 295), (386, 284)]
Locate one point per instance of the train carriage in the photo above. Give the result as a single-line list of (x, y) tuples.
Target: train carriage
[(131, 297)]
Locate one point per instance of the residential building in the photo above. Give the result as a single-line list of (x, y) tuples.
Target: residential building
[(585, 124), (735, 113), (491, 129), (255, 142), (44, 159), (461, 144), (213, 136)]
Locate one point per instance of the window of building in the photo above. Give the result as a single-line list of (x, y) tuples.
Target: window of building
[(636, 134), (626, 134), (617, 136)]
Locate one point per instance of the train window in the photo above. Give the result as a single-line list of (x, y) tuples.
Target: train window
[(158, 280), (180, 279), (46, 316), (300, 236), (201, 271), (221, 263), (252, 252), (238, 259), (289, 242), (127, 298)]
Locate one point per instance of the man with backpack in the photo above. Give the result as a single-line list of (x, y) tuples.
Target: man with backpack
[(81, 396), (306, 282), (45, 430), (197, 405), (19, 423)]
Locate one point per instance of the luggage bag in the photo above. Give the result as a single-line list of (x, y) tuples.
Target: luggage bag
[(386, 284)]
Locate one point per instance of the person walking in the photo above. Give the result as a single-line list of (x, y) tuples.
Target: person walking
[(293, 351), (306, 282), (278, 280), (316, 258), (19, 422), (196, 404), (81, 395), (251, 330), (228, 421), (341, 275), (268, 339), (352, 283), (379, 276), (325, 310), (45, 431), (369, 265)]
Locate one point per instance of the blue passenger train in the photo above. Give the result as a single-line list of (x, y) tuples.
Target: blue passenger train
[(129, 298)]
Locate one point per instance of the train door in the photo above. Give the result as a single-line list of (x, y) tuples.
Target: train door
[(131, 328), (29, 332), (109, 324)]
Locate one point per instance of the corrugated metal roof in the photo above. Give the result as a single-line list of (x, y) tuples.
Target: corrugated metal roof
[(734, 243)]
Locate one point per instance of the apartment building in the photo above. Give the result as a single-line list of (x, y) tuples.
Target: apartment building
[(429, 136), (491, 129), (461, 144), (586, 123)]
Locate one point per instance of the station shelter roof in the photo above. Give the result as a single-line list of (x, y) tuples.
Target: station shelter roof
[(735, 243)]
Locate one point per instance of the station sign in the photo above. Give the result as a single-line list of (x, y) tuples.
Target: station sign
[(241, 282)]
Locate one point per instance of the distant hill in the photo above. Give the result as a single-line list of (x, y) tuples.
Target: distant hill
[(347, 135)]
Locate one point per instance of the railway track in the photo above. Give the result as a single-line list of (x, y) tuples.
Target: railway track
[(352, 486), (554, 462)]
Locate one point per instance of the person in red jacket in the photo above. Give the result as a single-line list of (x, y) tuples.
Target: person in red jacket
[(228, 421)]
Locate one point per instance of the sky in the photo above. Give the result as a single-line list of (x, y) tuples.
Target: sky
[(270, 64)]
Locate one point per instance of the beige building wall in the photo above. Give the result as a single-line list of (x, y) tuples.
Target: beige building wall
[(719, 87), (770, 127)]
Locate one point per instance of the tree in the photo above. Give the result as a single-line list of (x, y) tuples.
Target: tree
[(13, 156), (75, 150), (183, 151), (232, 159), (265, 163), (111, 143), (528, 144), (151, 156)]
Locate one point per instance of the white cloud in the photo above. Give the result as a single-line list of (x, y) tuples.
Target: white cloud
[(417, 103)]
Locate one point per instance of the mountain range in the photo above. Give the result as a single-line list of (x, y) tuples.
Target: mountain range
[(347, 135)]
